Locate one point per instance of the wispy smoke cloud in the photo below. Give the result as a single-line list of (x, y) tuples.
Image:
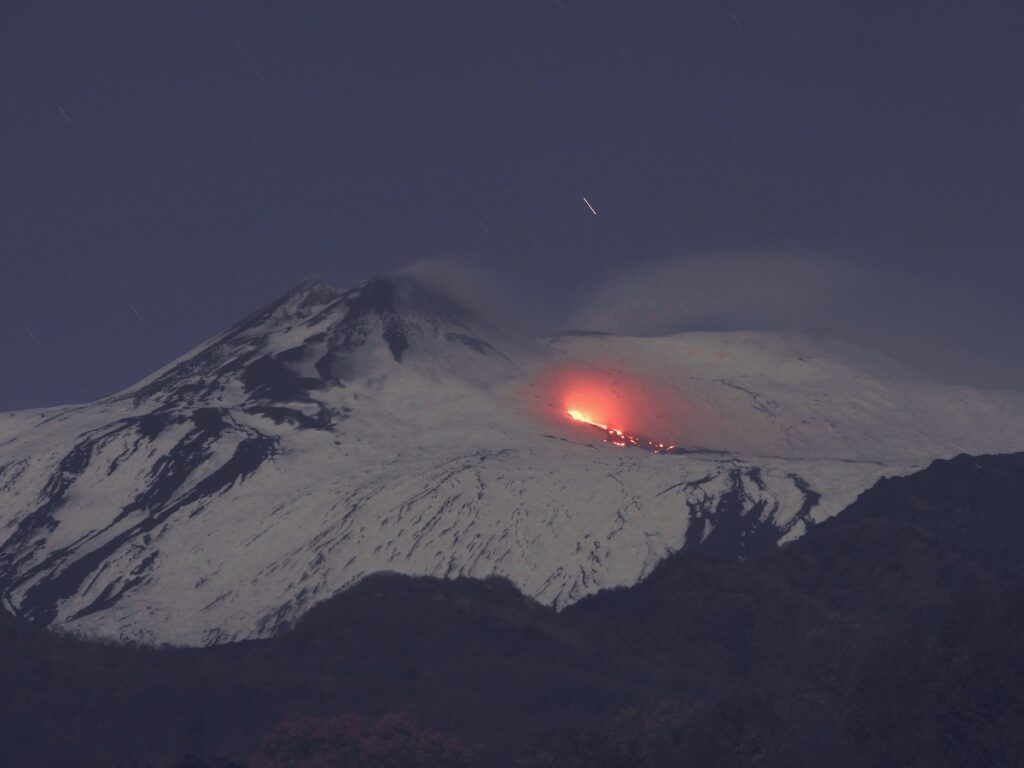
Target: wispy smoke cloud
[(720, 292), (509, 300), (949, 321)]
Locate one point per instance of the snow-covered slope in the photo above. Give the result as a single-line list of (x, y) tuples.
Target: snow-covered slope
[(334, 434)]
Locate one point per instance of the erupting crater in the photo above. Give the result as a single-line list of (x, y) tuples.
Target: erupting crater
[(625, 409), (621, 438)]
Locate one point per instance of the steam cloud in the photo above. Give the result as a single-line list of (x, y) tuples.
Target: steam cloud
[(730, 292), (950, 321)]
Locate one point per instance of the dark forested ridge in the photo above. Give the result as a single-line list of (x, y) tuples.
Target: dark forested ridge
[(888, 636)]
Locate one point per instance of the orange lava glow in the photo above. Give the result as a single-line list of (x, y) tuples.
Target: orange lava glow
[(623, 409), (580, 416), (621, 439)]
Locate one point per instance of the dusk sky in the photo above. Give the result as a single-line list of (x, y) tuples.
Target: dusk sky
[(853, 168)]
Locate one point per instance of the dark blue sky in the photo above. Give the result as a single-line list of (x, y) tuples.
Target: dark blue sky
[(167, 167)]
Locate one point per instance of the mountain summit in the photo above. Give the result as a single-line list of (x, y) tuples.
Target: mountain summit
[(334, 434), (314, 337)]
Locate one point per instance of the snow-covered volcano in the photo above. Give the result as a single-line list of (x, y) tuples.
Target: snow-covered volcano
[(334, 434)]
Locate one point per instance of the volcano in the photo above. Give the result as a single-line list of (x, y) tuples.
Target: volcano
[(338, 433)]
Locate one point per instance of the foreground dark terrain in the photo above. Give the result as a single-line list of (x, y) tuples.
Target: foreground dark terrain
[(888, 636)]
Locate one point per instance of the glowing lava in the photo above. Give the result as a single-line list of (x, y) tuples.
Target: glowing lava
[(622, 406), (579, 416), (621, 438)]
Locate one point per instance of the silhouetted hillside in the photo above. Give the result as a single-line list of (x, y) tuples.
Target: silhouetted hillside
[(887, 636)]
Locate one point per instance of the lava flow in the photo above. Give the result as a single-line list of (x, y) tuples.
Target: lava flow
[(620, 438)]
